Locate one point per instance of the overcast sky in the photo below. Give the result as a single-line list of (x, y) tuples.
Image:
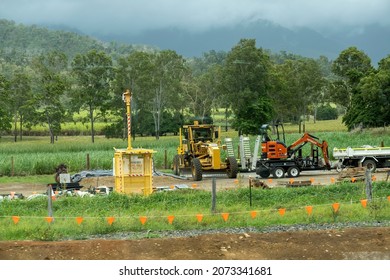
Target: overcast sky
[(118, 16)]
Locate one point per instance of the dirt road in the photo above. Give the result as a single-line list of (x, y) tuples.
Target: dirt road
[(339, 244)]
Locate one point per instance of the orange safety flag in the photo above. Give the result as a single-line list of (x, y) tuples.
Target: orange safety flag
[(170, 219), (49, 219), (110, 220), (373, 178), (235, 181), (15, 219), (194, 186), (270, 180), (309, 209), (312, 180), (353, 180), (332, 180), (79, 220), (199, 217), (291, 180), (225, 216), (282, 211), (253, 214), (336, 206), (143, 219), (364, 202), (12, 194), (388, 198)]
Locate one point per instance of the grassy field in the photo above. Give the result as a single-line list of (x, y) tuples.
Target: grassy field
[(185, 206), (35, 156)]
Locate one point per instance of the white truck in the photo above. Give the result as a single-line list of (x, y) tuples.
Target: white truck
[(368, 156)]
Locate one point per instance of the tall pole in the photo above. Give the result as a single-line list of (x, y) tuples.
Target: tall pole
[(127, 100)]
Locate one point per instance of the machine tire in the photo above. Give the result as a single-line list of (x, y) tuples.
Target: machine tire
[(278, 172), (196, 169), (232, 169), (293, 171), (176, 165), (370, 164), (263, 172)]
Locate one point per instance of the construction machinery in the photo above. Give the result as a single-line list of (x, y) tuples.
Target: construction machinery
[(279, 159), (366, 156), (200, 151), (245, 157)]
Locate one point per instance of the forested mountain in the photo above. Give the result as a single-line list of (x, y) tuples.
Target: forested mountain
[(373, 39), (19, 42)]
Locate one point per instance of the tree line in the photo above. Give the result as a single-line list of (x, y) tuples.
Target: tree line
[(250, 84)]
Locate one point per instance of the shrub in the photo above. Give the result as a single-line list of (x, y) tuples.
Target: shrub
[(327, 112)]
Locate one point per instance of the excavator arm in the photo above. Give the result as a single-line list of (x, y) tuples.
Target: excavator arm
[(308, 138)]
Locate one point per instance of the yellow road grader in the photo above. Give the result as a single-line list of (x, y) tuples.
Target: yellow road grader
[(200, 151)]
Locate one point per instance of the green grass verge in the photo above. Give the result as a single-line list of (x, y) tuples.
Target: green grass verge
[(185, 205)]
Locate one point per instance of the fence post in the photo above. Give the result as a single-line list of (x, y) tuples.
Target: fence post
[(12, 167), (50, 202), (368, 185), (213, 195), (165, 159), (88, 162)]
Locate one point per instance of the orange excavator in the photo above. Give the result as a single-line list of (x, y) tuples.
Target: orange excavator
[(278, 159)]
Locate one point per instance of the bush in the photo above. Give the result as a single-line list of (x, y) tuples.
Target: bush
[(327, 112)]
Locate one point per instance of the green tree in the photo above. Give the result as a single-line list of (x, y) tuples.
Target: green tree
[(5, 116), (169, 70), (246, 83), (21, 102), (370, 104), (93, 73), (49, 90), (351, 66), (298, 85)]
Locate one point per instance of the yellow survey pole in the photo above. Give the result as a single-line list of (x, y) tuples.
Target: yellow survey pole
[(127, 100)]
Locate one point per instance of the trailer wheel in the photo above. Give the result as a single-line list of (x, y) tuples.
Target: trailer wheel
[(176, 165), (232, 169), (370, 165), (278, 172), (263, 172), (293, 171), (196, 169)]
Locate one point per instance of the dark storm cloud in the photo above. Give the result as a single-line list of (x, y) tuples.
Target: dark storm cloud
[(118, 16)]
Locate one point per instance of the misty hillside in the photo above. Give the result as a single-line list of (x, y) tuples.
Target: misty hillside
[(17, 40), (375, 40)]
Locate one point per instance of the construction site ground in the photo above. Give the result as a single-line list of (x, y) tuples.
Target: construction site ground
[(318, 244)]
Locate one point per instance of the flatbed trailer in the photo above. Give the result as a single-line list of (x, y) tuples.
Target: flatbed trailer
[(367, 156)]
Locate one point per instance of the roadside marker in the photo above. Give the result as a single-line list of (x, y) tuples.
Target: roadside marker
[(309, 209), (336, 207), (353, 180), (364, 202), (253, 214), (282, 211), (225, 216), (170, 219), (110, 220), (332, 180), (199, 217), (143, 219), (49, 219), (15, 219), (79, 220), (194, 186)]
